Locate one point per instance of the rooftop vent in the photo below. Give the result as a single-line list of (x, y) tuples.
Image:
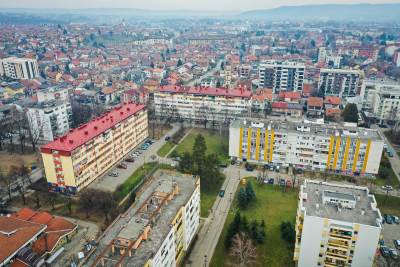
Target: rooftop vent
[(71, 141), (86, 132)]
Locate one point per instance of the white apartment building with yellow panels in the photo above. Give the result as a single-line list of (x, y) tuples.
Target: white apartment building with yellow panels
[(336, 225), (337, 148)]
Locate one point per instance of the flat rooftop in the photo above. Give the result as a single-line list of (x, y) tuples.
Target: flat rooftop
[(365, 211), (330, 129), (132, 225)]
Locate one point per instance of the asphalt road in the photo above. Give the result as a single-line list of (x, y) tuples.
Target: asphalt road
[(210, 232), (395, 160)]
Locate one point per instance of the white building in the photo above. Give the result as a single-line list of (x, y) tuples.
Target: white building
[(345, 149), (340, 82), (201, 103), (336, 225), (382, 98), (19, 68), (52, 93), (48, 120), (281, 75), (161, 227)]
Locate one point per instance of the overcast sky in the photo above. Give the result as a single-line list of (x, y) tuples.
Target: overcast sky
[(220, 5)]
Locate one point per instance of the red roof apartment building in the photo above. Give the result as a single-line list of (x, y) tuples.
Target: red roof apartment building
[(73, 161)]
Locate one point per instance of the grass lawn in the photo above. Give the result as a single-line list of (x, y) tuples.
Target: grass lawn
[(133, 180), (274, 206), (163, 151), (208, 197), (217, 144), (388, 206)]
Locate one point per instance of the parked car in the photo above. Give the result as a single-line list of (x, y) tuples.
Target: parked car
[(385, 252), (395, 219), (393, 253), (387, 188), (113, 174), (249, 167), (167, 138), (388, 219), (381, 242), (233, 162), (129, 159), (221, 193), (397, 243), (122, 166)]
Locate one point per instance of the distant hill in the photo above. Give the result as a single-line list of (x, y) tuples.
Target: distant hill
[(356, 12)]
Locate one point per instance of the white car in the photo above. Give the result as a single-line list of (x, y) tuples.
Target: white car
[(387, 188)]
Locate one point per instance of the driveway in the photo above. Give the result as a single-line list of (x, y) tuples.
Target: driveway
[(109, 183), (395, 160), (210, 233)]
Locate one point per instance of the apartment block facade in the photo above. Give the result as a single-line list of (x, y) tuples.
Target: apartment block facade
[(49, 119), (281, 75), (348, 150), (336, 225), (202, 103), (161, 228), (340, 82), (382, 98), (73, 161), (19, 68)]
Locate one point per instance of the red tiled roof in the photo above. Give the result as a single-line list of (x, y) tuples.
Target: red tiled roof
[(334, 100), (21, 233), (93, 128), (19, 263), (315, 101), (24, 214), (279, 105), (237, 92), (332, 111), (41, 218), (291, 95)]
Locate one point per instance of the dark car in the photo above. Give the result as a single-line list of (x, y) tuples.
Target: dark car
[(129, 159), (395, 219), (393, 253), (167, 138), (249, 168), (221, 193), (122, 166), (388, 219), (385, 251)]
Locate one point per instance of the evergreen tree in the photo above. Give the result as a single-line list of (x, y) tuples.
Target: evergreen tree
[(199, 153), (233, 229), (242, 198), (350, 113), (254, 229), (251, 196), (260, 237), (245, 225), (262, 225), (179, 63), (186, 163)]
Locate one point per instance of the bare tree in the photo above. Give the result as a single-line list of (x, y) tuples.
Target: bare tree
[(34, 128), (243, 251), (7, 180)]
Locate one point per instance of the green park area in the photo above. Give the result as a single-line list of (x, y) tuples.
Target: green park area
[(136, 177), (273, 205)]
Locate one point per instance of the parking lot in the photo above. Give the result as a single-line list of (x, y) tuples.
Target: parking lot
[(110, 183), (390, 233)]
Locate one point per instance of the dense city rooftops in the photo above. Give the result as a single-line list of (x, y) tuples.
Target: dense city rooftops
[(207, 91), (81, 135), (340, 202)]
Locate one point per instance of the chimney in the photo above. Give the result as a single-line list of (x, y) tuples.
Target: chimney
[(86, 132), (71, 141)]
